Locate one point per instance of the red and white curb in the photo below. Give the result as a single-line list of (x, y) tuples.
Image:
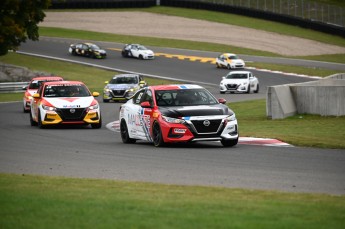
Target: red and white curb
[(115, 126)]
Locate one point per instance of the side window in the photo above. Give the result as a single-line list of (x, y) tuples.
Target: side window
[(137, 97), (147, 97)]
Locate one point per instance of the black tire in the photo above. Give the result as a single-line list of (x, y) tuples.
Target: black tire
[(124, 133), (157, 136), (229, 143), (32, 122), (248, 89), (106, 100), (97, 125), (229, 67), (39, 123), (222, 92), (257, 89), (123, 53), (141, 57), (217, 65), (25, 111)]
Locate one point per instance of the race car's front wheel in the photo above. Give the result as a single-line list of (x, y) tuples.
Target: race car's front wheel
[(229, 143), (32, 122), (97, 125), (124, 133), (257, 89), (39, 123), (157, 136)]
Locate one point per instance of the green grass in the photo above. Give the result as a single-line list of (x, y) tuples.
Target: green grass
[(298, 130), (55, 202)]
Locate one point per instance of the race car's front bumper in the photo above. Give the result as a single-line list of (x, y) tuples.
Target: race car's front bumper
[(53, 118)]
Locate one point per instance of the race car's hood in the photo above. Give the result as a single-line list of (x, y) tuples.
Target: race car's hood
[(234, 81), (237, 61), (69, 102), (120, 86), (200, 110), (148, 52)]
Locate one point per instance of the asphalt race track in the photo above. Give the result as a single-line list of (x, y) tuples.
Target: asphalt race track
[(100, 153)]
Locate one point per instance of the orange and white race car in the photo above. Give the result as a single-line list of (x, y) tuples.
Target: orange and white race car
[(65, 102), (229, 61), (32, 89)]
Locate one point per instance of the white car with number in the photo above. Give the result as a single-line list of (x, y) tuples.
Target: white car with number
[(137, 51), (65, 102), (229, 61), (239, 81)]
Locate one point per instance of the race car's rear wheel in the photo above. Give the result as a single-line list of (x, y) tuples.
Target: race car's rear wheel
[(124, 133), (32, 122), (229, 143), (157, 136)]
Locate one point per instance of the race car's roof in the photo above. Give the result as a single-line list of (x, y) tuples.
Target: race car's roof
[(63, 82), (41, 78), (175, 87)]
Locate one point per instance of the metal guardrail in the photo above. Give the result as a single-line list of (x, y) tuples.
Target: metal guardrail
[(12, 87)]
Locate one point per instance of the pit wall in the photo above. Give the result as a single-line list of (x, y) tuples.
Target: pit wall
[(325, 97)]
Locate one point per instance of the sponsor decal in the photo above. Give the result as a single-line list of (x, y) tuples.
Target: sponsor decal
[(69, 99), (179, 131), (70, 106)]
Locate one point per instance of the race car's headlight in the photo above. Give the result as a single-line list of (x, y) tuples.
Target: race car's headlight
[(48, 108), (93, 107), (173, 120), (231, 118)]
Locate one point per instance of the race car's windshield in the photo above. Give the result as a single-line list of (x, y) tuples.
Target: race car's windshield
[(233, 57), (185, 97), (35, 84), (237, 76), (66, 90), (124, 80), (141, 47), (95, 47)]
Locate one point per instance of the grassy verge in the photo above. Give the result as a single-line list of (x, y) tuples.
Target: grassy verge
[(254, 123), (298, 130), (40, 202)]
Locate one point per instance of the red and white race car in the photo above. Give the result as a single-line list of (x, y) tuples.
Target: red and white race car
[(32, 89), (177, 113), (65, 102)]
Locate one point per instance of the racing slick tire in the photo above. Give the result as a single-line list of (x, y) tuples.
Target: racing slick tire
[(229, 67), (248, 90), (32, 122), (97, 125), (222, 92), (105, 100), (39, 123), (157, 136), (124, 133), (141, 57), (257, 89), (229, 143)]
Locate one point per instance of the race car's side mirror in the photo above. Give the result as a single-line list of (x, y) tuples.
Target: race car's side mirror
[(106, 82), (145, 104), (142, 83), (222, 101), (36, 95), (95, 94)]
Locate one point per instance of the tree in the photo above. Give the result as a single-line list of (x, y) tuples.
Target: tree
[(18, 22)]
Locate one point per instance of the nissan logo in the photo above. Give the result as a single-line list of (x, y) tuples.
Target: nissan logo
[(72, 111), (206, 123)]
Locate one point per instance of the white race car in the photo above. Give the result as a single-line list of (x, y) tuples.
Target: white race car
[(137, 51), (229, 61), (239, 81), (65, 102)]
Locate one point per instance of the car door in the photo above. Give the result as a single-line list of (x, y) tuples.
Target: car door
[(35, 102), (135, 51)]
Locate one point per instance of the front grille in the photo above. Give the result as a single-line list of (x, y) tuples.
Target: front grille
[(118, 93), (231, 86), (201, 128), (67, 114)]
